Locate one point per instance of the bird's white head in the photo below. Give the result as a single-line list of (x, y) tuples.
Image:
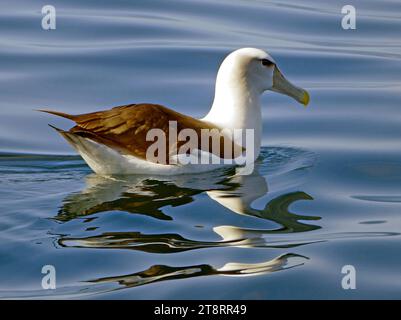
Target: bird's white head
[(255, 71), (242, 77)]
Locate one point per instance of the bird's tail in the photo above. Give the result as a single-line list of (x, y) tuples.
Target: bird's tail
[(100, 158), (70, 137), (60, 114), (80, 144)]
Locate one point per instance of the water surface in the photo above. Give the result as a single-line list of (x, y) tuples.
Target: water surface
[(326, 191)]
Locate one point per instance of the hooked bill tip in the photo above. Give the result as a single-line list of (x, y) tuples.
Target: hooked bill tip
[(305, 98)]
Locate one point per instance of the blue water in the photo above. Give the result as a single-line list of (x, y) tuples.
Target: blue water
[(326, 191)]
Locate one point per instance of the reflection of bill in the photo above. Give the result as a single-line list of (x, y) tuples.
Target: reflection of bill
[(231, 236), (148, 195)]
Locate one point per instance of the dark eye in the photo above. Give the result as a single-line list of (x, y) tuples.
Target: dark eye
[(267, 63)]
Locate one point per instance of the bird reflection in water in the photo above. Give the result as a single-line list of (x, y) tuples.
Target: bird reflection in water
[(150, 195), (158, 273)]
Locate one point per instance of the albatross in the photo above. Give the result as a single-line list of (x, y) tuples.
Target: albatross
[(115, 141)]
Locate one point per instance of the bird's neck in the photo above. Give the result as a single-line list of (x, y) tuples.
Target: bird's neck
[(236, 102), (236, 106)]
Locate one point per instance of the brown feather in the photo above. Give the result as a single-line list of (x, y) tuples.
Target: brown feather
[(56, 113), (124, 128)]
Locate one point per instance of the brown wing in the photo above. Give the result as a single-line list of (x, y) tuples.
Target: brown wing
[(125, 128)]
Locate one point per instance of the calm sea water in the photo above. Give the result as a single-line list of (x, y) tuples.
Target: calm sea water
[(326, 191)]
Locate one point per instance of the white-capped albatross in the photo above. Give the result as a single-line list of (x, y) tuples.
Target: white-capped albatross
[(114, 141)]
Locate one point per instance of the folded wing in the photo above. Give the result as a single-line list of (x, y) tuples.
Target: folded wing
[(124, 128)]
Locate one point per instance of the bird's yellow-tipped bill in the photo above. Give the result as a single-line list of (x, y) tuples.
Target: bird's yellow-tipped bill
[(282, 85), (306, 98)]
